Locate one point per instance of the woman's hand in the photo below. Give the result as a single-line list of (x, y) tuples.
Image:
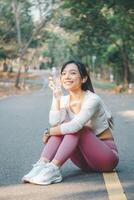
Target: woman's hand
[(45, 138), (55, 88), (46, 135)]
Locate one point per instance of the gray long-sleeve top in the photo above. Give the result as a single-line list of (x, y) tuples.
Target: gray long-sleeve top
[(93, 114)]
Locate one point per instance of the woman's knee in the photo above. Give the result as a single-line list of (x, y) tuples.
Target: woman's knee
[(72, 137), (86, 133), (108, 164)]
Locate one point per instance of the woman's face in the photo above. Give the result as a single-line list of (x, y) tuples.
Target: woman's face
[(70, 78)]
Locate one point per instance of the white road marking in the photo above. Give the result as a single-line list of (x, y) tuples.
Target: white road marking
[(113, 186)]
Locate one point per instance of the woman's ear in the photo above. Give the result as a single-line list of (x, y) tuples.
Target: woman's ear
[(84, 79)]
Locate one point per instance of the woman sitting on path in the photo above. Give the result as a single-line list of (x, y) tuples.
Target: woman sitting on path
[(80, 130)]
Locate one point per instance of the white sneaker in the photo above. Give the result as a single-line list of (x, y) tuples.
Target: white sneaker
[(37, 167), (50, 174)]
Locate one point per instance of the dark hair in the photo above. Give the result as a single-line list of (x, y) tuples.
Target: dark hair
[(83, 72)]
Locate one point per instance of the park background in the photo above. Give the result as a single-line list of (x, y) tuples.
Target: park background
[(37, 36), (42, 34)]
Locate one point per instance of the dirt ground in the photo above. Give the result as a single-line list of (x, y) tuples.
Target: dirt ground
[(7, 84)]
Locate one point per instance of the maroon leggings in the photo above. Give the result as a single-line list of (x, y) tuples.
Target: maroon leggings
[(84, 149)]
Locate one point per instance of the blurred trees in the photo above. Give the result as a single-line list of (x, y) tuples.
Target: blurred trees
[(16, 25), (58, 49), (106, 30), (100, 33), (18, 31)]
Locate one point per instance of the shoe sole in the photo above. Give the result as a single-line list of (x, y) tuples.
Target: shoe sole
[(25, 180), (57, 180)]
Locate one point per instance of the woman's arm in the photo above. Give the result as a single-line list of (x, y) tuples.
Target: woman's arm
[(75, 124), (78, 122), (58, 113), (50, 132), (55, 131), (88, 111)]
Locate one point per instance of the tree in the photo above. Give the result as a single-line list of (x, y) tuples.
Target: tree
[(18, 8), (58, 49), (19, 31), (102, 24), (35, 31)]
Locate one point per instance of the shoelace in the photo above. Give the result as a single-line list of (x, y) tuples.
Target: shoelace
[(37, 164), (40, 163)]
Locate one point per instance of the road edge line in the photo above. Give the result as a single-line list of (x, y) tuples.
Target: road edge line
[(113, 185)]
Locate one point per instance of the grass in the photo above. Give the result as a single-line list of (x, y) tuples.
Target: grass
[(103, 85)]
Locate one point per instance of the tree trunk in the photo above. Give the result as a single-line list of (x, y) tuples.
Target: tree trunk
[(126, 66), (22, 51), (17, 81), (16, 12), (125, 63)]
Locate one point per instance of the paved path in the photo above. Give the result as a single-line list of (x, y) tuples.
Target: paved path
[(22, 120), (123, 109)]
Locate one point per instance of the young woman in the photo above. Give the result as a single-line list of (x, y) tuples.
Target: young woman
[(80, 129)]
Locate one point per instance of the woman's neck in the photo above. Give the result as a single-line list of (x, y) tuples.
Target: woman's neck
[(76, 95)]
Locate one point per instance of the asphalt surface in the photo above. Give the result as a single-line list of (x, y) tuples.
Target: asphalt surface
[(22, 121), (123, 110)]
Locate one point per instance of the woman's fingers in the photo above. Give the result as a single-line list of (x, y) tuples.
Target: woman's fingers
[(51, 85), (45, 139), (55, 87)]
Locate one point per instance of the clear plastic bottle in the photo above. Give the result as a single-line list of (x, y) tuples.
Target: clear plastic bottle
[(54, 79)]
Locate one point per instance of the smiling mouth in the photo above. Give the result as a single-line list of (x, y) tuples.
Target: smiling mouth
[(68, 82)]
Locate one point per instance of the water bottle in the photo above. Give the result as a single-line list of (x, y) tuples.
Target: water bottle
[(54, 79)]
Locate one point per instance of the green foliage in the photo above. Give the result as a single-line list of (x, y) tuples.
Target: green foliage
[(2, 54), (102, 24), (57, 49), (114, 60), (26, 24), (104, 29), (8, 32), (7, 28)]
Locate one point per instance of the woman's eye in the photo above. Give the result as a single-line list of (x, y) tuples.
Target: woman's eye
[(73, 73), (70, 73), (63, 73)]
